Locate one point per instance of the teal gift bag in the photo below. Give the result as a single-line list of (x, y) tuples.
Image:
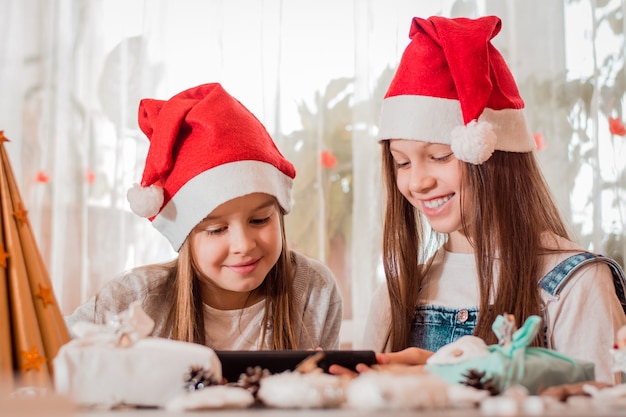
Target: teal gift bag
[(509, 363)]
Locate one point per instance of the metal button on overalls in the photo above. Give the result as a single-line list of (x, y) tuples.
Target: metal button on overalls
[(462, 315)]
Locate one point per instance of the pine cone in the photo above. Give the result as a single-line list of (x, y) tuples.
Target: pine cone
[(198, 378), (251, 379), (475, 379)]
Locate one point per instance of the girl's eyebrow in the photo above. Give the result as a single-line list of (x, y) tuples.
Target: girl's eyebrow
[(424, 145), (268, 203), (259, 207)]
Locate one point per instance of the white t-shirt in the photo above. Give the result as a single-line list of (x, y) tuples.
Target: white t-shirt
[(582, 323), (234, 329)]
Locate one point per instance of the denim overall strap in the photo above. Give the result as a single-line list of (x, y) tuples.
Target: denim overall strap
[(554, 281)]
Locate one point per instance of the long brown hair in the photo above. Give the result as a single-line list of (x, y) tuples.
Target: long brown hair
[(511, 206), (186, 318)]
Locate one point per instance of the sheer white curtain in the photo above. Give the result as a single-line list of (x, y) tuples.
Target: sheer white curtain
[(72, 73)]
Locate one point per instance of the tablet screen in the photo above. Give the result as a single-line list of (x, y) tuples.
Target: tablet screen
[(235, 362)]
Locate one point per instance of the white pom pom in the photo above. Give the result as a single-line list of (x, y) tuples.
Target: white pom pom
[(463, 349), (473, 143), (393, 391), (295, 390), (145, 201)]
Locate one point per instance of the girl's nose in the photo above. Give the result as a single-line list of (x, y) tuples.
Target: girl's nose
[(421, 180), (242, 239)]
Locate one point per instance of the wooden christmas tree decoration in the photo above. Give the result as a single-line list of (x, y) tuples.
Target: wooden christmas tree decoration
[(32, 328)]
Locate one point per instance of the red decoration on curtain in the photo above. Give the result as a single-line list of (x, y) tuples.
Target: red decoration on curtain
[(42, 177), (3, 138), (91, 177), (540, 141), (616, 126), (328, 160)]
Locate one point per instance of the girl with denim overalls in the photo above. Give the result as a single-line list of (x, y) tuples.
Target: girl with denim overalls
[(471, 230)]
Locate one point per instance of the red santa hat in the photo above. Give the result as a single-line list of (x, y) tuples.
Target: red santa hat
[(452, 86), (206, 148)]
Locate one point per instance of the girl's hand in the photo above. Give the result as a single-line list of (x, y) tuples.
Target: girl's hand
[(339, 370), (408, 356), (409, 360)]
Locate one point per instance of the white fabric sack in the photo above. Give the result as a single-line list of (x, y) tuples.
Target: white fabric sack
[(148, 373)]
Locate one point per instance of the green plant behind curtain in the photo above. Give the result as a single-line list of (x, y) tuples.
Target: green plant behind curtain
[(569, 110), (327, 127)]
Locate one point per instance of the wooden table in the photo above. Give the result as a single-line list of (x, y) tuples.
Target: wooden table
[(53, 407)]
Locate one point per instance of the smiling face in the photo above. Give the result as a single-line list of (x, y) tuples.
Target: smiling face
[(430, 177), (235, 247)]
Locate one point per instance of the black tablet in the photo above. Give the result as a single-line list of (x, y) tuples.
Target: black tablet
[(235, 362)]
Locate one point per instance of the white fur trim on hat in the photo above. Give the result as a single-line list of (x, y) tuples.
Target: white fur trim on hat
[(206, 191), (145, 201), (432, 119)]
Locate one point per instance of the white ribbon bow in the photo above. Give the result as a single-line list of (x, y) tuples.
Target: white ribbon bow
[(121, 330)]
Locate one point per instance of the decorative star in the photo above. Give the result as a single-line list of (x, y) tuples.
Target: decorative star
[(46, 295), (32, 360), (3, 138), (21, 214), (4, 255)]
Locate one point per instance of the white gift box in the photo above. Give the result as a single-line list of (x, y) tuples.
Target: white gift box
[(148, 373)]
